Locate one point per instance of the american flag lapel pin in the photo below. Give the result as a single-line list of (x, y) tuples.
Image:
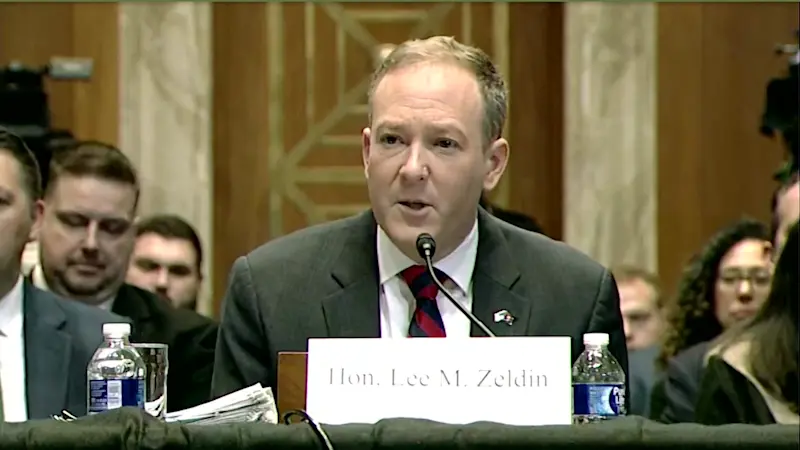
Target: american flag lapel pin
[(504, 316)]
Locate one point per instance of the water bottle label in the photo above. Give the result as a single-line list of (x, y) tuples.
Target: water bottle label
[(112, 394), (598, 399)]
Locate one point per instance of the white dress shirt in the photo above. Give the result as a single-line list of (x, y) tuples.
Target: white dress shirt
[(12, 355), (397, 303)]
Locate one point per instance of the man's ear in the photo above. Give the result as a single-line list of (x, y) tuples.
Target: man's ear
[(37, 211), (496, 162), (366, 147)]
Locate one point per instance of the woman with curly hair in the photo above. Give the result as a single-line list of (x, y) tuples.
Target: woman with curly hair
[(752, 375), (726, 282)]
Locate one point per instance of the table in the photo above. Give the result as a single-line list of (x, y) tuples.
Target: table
[(131, 429)]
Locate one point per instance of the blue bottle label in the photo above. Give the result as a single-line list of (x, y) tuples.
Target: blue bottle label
[(598, 399), (112, 394)]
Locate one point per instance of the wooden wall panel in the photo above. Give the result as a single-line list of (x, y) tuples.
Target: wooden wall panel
[(240, 136), (34, 32), (289, 105), (714, 61), (536, 117)]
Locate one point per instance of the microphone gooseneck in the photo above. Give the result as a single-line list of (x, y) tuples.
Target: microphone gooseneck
[(426, 248)]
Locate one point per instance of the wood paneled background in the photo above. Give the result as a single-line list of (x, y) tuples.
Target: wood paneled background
[(32, 33), (714, 61), (291, 78)]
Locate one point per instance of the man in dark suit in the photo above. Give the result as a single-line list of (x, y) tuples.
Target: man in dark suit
[(437, 111), (46, 343), (85, 241)]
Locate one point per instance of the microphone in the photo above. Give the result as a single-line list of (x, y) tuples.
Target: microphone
[(426, 248)]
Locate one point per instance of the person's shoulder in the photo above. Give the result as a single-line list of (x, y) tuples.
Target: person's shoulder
[(86, 316), (540, 252), (181, 322), (161, 307), (303, 246), (695, 352)]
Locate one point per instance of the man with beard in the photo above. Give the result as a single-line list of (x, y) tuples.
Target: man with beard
[(86, 238), (168, 259)]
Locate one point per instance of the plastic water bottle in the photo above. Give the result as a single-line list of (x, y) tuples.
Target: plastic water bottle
[(598, 382), (116, 373)]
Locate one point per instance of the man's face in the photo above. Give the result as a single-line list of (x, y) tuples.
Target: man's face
[(743, 281), (425, 157), (788, 213), (641, 316), (87, 236), (16, 218), (166, 266)]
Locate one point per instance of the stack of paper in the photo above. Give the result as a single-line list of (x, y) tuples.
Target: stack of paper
[(253, 404)]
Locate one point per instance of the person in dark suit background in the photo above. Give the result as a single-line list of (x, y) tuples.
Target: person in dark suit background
[(752, 374), (433, 146), (514, 218), (726, 282), (46, 342), (85, 241)]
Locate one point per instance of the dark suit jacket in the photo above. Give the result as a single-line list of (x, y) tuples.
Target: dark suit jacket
[(675, 394), (517, 219), (643, 375), (191, 338), (323, 282), (726, 396), (61, 337)]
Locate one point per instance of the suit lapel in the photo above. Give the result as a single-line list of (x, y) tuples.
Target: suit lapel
[(494, 279), (47, 354), (129, 304), (352, 310)]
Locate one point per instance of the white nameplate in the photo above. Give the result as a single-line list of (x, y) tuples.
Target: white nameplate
[(510, 380)]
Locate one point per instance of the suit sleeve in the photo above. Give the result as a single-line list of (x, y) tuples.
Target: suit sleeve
[(242, 356), (607, 318), (193, 364), (680, 393)]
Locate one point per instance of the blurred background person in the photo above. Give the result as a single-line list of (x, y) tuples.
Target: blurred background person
[(514, 218), (167, 259), (641, 306), (752, 374), (643, 317), (725, 283)]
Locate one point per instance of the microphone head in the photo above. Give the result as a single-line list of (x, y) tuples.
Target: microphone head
[(426, 246)]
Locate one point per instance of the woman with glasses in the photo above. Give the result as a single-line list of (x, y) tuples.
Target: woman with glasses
[(752, 375), (725, 283)]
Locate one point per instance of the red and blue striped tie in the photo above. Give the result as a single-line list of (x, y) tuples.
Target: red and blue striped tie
[(427, 321)]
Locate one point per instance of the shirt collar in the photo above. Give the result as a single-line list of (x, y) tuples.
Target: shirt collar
[(458, 265), (11, 311), (37, 277)]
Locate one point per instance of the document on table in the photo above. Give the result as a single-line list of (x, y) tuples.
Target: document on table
[(252, 404)]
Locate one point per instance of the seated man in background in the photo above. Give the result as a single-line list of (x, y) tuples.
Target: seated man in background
[(86, 238), (45, 342), (167, 259), (643, 317)]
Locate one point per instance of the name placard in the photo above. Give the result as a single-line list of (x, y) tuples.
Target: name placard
[(511, 380)]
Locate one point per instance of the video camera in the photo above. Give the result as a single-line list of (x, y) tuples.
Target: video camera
[(780, 115), (24, 105)]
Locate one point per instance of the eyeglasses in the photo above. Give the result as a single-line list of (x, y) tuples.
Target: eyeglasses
[(759, 278)]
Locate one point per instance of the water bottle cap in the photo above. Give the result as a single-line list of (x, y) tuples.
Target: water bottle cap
[(116, 329), (595, 339)]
